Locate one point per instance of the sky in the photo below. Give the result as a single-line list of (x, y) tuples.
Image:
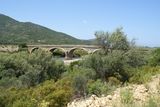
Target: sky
[(140, 19)]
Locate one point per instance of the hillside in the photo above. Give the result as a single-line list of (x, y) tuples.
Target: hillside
[(133, 95), (14, 32)]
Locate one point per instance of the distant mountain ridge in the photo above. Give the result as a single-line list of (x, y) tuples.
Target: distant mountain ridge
[(15, 32)]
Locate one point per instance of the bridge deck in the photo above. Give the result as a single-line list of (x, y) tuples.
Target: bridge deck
[(65, 46)]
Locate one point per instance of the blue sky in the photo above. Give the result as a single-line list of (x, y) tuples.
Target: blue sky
[(81, 18)]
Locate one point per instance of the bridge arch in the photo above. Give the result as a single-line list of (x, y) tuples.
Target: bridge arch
[(96, 50), (71, 51), (33, 49), (54, 48)]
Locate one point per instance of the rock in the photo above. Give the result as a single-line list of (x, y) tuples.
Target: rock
[(94, 97), (140, 93), (109, 97)]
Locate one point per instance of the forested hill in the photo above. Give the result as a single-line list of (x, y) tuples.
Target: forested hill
[(15, 32)]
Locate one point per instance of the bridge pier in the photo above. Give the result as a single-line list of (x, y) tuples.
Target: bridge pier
[(68, 55)]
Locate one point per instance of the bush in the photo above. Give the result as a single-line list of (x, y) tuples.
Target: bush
[(136, 57), (155, 58), (111, 65), (126, 96), (24, 103), (79, 77), (56, 94), (153, 101), (49, 93), (97, 87), (113, 81), (79, 52), (29, 69), (79, 84), (144, 74)]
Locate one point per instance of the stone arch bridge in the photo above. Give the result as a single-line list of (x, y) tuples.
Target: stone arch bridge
[(67, 49)]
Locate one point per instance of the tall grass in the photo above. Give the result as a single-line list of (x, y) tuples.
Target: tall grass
[(144, 74)]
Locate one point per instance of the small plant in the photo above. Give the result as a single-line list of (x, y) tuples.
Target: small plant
[(147, 86), (97, 87), (152, 102), (144, 74), (126, 97)]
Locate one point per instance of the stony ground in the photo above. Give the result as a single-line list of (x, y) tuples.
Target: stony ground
[(140, 94), (67, 62)]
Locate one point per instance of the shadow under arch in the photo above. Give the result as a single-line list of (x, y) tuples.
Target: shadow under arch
[(71, 52), (96, 51), (60, 52), (33, 49)]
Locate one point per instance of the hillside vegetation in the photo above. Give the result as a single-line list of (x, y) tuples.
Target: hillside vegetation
[(39, 80), (15, 32)]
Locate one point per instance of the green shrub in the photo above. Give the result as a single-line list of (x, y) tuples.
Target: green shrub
[(56, 94), (24, 103), (73, 64), (79, 84), (155, 57), (79, 52), (152, 102), (113, 81), (111, 65), (144, 74), (126, 96), (28, 69), (80, 77), (53, 94), (97, 87)]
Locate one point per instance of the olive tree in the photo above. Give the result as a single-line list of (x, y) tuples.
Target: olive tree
[(29, 69), (119, 56), (116, 40)]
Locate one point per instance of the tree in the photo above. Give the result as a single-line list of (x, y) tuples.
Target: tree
[(136, 57), (111, 65), (29, 69), (103, 40), (119, 40), (116, 40), (119, 55)]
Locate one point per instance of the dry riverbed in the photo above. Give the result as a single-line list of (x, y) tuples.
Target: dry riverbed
[(67, 62)]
